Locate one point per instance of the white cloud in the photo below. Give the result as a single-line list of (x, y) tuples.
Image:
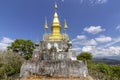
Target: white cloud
[(98, 1), (95, 1), (97, 51), (62, 0), (81, 1), (81, 37), (82, 40), (4, 42), (118, 27), (88, 48), (115, 50), (94, 29), (110, 51), (76, 49), (3, 46), (115, 40), (101, 1), (103, 39), (96, 46), (85, 42), (90, 42)]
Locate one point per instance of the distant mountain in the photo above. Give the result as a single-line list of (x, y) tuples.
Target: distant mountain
[(108, 57), (106, 60), (113, 57)]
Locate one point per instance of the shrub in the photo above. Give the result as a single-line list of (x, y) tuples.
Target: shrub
[(10, 63)]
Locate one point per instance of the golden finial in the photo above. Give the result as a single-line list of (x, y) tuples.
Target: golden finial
[(56, 7), (65, 24), (56, 21), (46, 25)]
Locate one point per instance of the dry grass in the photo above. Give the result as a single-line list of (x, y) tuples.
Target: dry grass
[(87, 78)]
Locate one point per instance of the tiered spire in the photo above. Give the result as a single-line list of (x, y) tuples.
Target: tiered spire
[(56, 21), (56, 27), (46, 25), (65, 24)]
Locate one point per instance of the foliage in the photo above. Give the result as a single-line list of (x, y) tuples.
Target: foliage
[(23, 47), (10, 63), (104, 68), (86, 56), (103, 71), (116, 71)]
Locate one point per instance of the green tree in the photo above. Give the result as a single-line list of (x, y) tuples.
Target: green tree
[(85, 56), (23, 47)]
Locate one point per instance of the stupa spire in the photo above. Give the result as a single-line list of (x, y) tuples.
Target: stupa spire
[(65, 25), (56, 27), (46, 25), (56, 21)]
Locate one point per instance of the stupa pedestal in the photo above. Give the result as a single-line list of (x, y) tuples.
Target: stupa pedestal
[(54, 56)]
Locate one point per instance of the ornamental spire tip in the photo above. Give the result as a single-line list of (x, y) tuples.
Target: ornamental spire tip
[(46, 25), (56, 7)]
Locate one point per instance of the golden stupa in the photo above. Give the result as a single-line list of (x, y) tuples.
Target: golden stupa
[(55, 29), (54, 56)]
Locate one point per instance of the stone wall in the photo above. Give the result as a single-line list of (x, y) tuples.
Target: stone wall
[(55, 68), (65, 68)]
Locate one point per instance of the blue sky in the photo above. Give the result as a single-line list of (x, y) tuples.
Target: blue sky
[(94, 25)]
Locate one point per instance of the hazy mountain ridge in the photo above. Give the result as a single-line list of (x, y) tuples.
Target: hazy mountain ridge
[(108, 60)]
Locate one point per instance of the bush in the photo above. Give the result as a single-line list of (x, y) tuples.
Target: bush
[(103, 71), (116, 71), (103, 68), (10, 63)]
